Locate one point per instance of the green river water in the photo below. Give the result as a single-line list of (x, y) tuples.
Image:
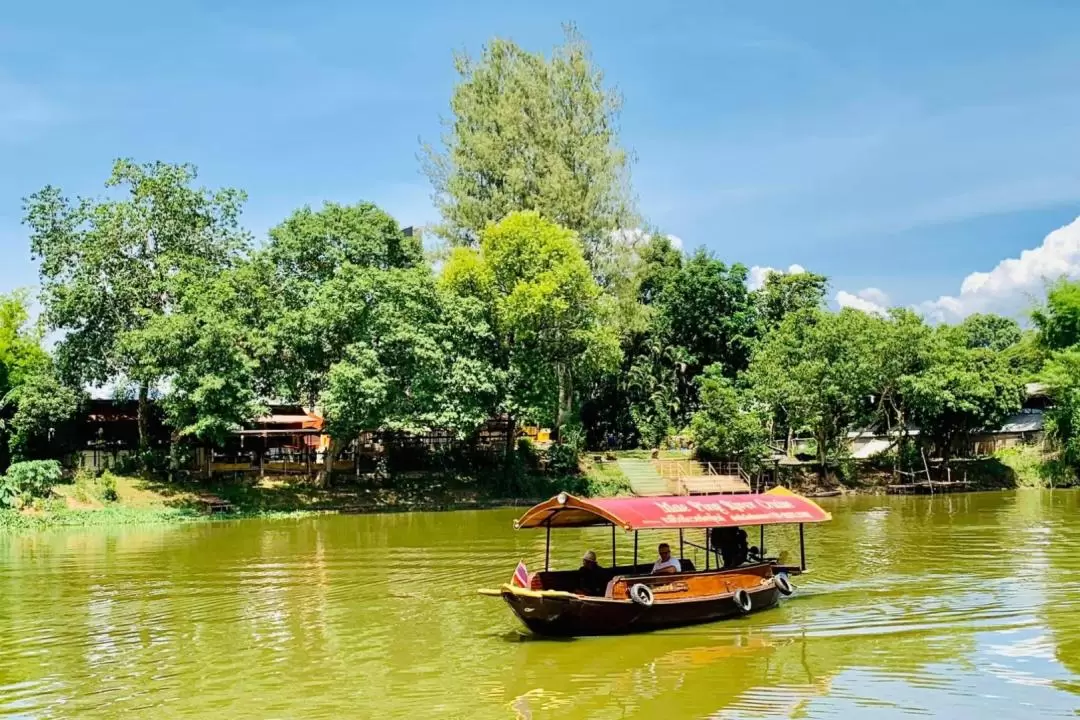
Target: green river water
[(961, 606)]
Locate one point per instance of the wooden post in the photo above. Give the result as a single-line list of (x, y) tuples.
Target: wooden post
[(802, 547), (614, 562), (926, 466), (547, 547)]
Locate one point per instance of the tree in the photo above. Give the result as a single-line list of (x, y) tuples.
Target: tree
[(545, 309), (786, 293), (306, 253), (902, 344), (728, 426), (1058, 321), (1062, 378), (42, 411), (208, 351), (413, 357), (817, 369), (532, 133), (109, 267), (705, 313), (22, 361), (990, 332), (961, 390)]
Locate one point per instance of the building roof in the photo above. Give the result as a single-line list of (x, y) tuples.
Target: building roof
[(1036, 389), (875, 446), (1022, 422)]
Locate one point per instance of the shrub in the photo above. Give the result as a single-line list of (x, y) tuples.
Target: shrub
[(563, 459), (107, 484), (25, 480), (84, 485)]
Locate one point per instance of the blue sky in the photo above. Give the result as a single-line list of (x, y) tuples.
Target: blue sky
[(896, 147)]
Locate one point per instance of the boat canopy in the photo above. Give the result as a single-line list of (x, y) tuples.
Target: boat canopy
[(778, 506)]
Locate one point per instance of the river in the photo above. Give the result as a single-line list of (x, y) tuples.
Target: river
[(960, 606)]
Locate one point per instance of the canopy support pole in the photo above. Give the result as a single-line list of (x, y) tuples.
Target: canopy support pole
[(614, 563), (761, 544), (635, 551), (708, 552), (681, 551), (802, 548), (547, 547)]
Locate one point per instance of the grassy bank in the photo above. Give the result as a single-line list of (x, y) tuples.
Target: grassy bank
[(122, 500)]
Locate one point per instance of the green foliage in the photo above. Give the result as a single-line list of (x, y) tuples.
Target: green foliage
[(960, 391), (531, 133), (1058, 321), (42, 407), (1062, 377), (545, 309), (1032, 468), (34, 478), (728, 427), (107, 485), (785, 293), (22, 361), (817, 369), (990, 332), (113, 267)]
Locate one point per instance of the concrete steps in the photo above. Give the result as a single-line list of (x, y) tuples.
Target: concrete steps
[(644, 479)]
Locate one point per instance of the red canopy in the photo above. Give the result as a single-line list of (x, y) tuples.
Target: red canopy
[(776, 507)]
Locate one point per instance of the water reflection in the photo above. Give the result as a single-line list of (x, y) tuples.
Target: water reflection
[(956, 606)]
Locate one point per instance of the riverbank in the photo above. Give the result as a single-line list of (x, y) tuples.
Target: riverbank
[(122, 500)]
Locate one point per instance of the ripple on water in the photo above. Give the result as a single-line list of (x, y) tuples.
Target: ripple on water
[(947, 607)]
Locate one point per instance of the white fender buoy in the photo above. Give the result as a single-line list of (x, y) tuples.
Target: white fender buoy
[(641, 594), (783, 584)]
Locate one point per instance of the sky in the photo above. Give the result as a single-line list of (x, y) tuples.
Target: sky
[(920, 154)]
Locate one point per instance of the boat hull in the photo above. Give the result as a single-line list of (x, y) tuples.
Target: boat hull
[(565, 614)]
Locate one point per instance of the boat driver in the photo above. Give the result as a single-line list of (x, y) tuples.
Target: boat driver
[(591, 577), (665, 564)]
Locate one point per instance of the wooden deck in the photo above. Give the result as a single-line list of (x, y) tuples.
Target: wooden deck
[(924, 487)]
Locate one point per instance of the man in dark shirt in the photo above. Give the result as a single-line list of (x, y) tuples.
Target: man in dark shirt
[(591, 577)]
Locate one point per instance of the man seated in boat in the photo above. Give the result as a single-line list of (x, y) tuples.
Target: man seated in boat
[(665, 564), (732, 544), (591, 577)]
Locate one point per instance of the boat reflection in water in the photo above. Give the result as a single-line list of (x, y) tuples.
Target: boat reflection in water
[(634, 597)]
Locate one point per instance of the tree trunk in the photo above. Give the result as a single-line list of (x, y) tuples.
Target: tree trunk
[(819, 437), (331, 453), (144, 424), (566, 394)]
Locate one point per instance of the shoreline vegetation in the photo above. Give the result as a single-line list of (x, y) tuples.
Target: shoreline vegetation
[(541, 299), (79, 504)]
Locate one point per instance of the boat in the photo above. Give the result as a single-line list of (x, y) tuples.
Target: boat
[(553, 602)]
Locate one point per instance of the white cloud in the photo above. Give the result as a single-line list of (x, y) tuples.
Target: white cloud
[(869, 300), (758, 274), (1013, 282), (676, 241)]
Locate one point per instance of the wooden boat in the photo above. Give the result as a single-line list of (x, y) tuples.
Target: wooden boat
[(552, 602)]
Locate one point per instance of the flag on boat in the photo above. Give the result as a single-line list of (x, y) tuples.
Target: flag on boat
[(521, 575)]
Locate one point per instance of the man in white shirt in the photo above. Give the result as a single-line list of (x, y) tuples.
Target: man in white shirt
[(666, 565)]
